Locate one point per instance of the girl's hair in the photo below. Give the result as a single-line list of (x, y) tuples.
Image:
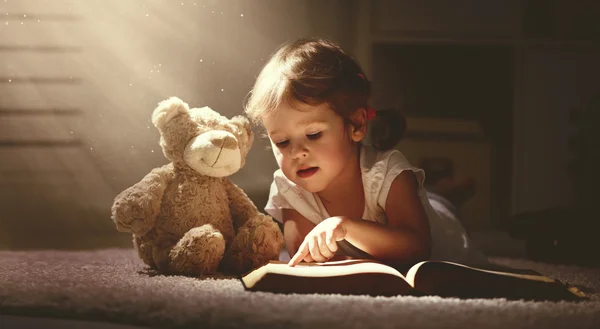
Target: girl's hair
[(387, 129), (316, 71)]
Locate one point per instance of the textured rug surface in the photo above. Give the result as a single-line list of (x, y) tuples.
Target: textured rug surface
[(112, 285)]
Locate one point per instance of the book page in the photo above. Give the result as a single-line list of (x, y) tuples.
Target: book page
[(357, 277), (493, 269), (333, 268), (456, 280)]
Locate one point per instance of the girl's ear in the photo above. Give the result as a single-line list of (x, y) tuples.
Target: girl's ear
[(358, 125)]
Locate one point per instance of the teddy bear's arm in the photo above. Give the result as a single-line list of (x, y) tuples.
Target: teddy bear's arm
[(242, 208), (136, 208)]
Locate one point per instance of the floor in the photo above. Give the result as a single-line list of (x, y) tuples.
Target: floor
[(18, 322), (492, 243)]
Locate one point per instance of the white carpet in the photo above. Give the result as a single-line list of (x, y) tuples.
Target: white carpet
[(112, 285)]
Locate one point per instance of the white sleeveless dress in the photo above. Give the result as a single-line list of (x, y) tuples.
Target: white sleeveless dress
[(449, 239)]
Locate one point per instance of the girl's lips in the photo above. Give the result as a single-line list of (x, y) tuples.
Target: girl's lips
[(305, 173)]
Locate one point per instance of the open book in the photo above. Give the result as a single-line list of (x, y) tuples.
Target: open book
[(367, 277)]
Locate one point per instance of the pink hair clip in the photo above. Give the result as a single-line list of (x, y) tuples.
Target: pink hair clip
[(362, 76), (371, 113)]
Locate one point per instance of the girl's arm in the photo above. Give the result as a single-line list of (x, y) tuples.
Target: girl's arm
[(406, 239)]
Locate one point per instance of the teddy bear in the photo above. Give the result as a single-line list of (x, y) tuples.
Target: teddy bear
[(187, 217)]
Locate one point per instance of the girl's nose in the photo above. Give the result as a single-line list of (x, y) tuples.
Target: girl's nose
[(299, 151)]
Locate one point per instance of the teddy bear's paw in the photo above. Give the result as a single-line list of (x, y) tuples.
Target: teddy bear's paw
[(258, 241), (130, 217), (237, 262), (266, 235), (144, 251), (138, 226), (199, 251), (271, 240)]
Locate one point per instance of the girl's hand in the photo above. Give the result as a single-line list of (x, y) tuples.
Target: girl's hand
[(320, 244)]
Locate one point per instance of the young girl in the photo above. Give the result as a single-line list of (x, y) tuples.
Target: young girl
[(336, 196)]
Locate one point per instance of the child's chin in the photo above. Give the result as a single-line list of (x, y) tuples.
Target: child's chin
[(312, 188)]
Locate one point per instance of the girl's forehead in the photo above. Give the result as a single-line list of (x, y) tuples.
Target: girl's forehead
[(299, 109), (289, 117)]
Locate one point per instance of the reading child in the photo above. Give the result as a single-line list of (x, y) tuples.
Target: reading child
[(336, 196)]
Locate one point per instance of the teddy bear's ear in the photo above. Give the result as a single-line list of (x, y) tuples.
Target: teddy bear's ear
[(243, 122), (167, 110)]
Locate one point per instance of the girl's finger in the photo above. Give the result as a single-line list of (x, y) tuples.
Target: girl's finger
[(300, 254), (323, 247), (315, 252), (330, 241), (308, 259)]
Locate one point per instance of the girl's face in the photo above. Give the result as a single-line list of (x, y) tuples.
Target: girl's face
[(312, 144)]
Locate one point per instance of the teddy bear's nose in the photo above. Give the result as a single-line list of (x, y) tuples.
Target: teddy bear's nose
[(224, 141), (215, 153)]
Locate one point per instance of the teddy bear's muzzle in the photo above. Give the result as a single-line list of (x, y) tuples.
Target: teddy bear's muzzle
[(215, 153)]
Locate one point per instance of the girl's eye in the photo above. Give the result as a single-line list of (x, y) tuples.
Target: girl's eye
[(282, 143), (314, 136)]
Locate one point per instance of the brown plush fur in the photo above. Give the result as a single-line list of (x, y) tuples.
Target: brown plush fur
[(187, 217)]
